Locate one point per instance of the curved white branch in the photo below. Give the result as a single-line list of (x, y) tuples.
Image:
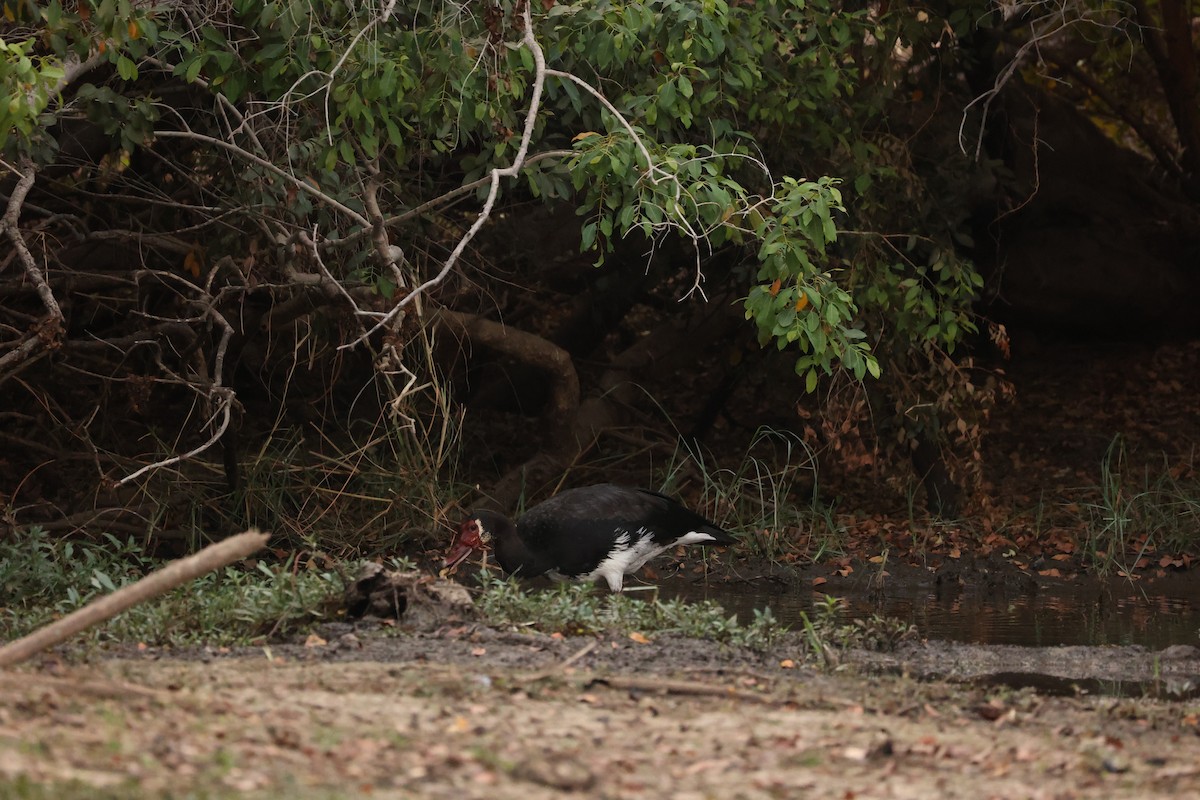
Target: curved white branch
[(225, 395), (511, 171), (651, 168)]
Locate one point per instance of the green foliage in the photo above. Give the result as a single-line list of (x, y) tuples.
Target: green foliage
[(764, 66), (577, 609), (687, 190), (42, 579), (32, 70), (705, 83), (826, 634), (26, 84), (128, 119), (779, 134)]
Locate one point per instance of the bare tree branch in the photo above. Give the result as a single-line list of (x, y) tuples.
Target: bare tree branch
[(1172, 50), (1064, 15), (225, 397), (48, 331), (440, 200), (11, 224), (511, 171), (303, 186)]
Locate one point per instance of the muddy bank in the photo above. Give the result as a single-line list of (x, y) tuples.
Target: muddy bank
[(376, 708), (475, 713), (1128, 671), (1059, 610)]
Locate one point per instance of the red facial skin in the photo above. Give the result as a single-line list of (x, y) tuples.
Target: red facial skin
[(467, 542)]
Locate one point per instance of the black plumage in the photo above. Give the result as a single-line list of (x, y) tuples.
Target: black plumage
[(603, 531)]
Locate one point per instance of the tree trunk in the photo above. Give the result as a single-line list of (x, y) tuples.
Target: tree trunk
[(1170, 47)]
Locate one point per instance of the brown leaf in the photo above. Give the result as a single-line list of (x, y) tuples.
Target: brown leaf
[(193, 262), (990, 711), (314, 641), (639, 638)]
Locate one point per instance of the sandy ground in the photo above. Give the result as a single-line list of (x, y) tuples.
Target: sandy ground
[(481, 714)]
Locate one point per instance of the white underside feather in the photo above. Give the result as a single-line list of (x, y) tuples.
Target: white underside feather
[(625, 559)]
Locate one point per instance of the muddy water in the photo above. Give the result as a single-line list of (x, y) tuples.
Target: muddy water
[(1113, 613)]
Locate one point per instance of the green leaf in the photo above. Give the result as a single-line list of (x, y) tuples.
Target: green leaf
[(666, 97), (193, 69), (587, 237), (126, 68)]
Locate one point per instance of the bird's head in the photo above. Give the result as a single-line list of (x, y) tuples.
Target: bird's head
[(474, 534)]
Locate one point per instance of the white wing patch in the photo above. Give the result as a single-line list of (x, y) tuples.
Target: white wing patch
[(627, 557), (695, 537)]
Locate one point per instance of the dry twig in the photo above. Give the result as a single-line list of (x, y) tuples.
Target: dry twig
[(546, 673), (661, 686)]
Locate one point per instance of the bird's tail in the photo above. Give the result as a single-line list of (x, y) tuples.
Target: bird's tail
[(718, 535)]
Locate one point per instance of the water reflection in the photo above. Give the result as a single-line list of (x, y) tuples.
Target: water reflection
[(1116, 614)]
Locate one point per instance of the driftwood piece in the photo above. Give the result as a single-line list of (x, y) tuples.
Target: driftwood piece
[(156, 583), (421, 601)]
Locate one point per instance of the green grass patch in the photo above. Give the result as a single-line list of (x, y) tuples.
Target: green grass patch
[(770, 497), (827, 635), (1156, 513), (42, 579), (577, 609)]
